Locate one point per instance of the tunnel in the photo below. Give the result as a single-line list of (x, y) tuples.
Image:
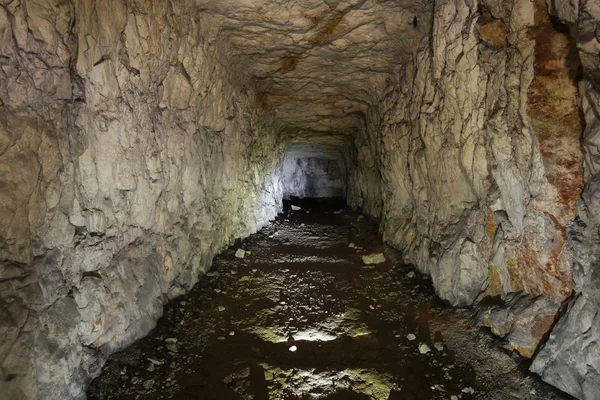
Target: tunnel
[(314, 171), (299, 199)]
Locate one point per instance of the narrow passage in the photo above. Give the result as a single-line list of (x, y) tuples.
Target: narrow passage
[(301, 316)]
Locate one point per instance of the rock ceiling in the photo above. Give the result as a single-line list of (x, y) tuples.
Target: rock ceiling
[(319, 63)]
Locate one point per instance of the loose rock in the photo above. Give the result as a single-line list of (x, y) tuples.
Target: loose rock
[(376, 258)]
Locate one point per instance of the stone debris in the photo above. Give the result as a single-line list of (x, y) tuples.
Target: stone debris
[(221, 308), (263, 316), (172, 347), (439, 346), (296, 208), (468, 390), (148, 384), (423, 348), (352, 246), (376, 258), (411, 274), (240, 253)]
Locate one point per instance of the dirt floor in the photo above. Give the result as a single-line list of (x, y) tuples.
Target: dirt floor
[(301, 316)]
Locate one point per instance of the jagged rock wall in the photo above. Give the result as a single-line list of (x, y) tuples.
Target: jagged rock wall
[(131, 152), (472, 162), (570, 359)]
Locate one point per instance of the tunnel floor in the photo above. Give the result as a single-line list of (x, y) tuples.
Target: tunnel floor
[(302, 317)]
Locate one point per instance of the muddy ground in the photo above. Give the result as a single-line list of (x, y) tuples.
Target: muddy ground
[(301, 316)]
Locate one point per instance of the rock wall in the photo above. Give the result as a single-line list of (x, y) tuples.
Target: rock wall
[(471, 160), (570, 359), (131, 152)]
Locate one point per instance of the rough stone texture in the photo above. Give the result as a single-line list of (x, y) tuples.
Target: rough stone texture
[(570, 359), (521, 321), (318, 62), (471, 159), (131, 152), (139, 138)]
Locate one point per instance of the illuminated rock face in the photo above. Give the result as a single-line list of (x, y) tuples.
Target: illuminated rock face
[(131, 152), (138, 139)]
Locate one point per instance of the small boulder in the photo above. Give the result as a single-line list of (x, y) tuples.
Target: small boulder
[(375, 258), (240, 253), (424, 349)]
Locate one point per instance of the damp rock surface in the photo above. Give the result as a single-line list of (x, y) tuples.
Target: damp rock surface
[(309, 322)]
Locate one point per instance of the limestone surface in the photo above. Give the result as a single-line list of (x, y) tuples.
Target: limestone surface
[(132, 151), (138, 139), (472, 161)]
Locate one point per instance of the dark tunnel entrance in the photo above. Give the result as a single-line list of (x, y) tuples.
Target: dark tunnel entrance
[(314, 172)]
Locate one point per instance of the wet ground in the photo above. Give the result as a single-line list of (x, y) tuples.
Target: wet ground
[(301, 316)]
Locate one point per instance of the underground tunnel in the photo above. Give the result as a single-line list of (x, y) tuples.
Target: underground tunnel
[(299, 199)]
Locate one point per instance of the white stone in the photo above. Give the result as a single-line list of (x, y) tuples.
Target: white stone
[(240, 253), (423, 348), (376, 258)]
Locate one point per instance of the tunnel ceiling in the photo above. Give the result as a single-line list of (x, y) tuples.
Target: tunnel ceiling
[(320, 63)]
